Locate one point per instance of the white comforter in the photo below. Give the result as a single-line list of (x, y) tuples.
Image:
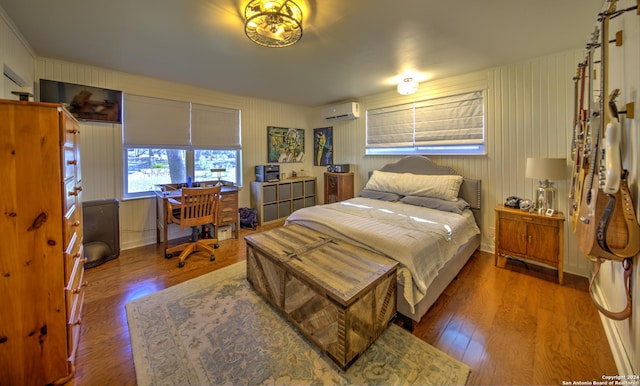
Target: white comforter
[(422, 240)]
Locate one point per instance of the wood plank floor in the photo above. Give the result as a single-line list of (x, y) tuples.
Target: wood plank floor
[(511, 326)]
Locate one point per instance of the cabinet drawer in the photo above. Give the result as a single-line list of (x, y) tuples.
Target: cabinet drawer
[(531, 219), (69, 163), (284, 192), (310, 188), (269, 193), (70, 132), (310, 201), (72, 252), (75, 286), (298, 189), (228, 201), (74, 325), (72, 223), (227, 216)]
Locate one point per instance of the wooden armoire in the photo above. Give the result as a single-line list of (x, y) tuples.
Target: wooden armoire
[(41, 262)]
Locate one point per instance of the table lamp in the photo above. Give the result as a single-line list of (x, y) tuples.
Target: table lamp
[(545, 169), (219, 174)]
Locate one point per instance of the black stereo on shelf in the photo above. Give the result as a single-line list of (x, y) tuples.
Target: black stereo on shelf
[(267, 173), (339, 168)]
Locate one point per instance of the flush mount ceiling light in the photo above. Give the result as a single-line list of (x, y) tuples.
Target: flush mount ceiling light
[(407, 86), (273, 23)]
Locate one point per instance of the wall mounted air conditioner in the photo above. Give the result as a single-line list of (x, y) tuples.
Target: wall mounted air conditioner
[(350, 110)]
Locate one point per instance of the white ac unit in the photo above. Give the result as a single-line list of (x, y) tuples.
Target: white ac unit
[(350, 110)]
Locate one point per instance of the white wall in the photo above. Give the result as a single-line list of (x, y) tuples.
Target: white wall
[(16, 56)]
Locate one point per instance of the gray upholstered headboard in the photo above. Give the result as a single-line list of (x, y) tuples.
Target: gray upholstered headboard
[(469, 190)]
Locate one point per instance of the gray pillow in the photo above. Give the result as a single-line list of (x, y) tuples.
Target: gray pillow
[(378, 195), (437, 203)]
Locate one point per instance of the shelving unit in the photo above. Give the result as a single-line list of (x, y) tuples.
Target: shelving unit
[(275, 201)]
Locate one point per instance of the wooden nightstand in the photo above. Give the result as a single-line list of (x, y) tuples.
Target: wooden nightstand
[(529, 236), (337, 186)]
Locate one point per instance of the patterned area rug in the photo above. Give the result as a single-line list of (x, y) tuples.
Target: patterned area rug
[(215, 329)]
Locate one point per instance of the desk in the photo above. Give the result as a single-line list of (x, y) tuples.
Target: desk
[(227, 211)]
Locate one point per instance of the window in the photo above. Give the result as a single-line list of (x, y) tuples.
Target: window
[(448, 125), (168, 141)]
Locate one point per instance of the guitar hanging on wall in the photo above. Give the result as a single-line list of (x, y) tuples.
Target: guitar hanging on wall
[(607, 227), (578, 142)]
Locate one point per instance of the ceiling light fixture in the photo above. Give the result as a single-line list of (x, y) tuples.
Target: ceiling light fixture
[(273, 23), (407, 86)]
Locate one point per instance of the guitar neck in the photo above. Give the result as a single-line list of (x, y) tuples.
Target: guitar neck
[(604, 64)]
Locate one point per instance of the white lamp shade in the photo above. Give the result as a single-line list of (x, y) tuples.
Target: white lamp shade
[(546, 168)]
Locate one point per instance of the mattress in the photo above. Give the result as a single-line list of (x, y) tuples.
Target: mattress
[(421, 239)]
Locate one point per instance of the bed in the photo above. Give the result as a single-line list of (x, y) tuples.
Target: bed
[(418, 213)]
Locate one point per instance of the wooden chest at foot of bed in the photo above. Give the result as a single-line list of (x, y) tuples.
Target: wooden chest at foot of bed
[(341, 297)]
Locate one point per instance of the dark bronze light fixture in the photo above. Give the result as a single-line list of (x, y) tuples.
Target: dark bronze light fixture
[(273, 23)]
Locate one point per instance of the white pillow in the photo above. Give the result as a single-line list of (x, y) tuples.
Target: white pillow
[(445, 187)]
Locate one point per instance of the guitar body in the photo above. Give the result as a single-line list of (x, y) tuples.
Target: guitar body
[(618, 232), (587, 223)]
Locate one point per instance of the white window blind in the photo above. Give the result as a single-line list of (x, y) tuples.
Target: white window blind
[(166, 123), (390, 126), (215, 127), (447, 125), (154, 121)]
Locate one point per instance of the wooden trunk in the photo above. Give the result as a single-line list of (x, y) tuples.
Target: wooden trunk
[(341, 297)]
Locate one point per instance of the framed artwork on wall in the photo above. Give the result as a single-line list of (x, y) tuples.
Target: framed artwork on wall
[(323, 146), (285, 145)]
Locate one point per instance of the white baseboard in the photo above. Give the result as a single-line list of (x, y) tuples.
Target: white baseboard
[(623, 362)]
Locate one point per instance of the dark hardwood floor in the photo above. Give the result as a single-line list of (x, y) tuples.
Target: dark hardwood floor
[(511, 326)]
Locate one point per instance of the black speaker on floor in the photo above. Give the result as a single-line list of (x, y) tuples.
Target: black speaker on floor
[(101, 231)]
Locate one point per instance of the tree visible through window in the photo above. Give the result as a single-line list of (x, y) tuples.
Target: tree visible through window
[(168, 141)]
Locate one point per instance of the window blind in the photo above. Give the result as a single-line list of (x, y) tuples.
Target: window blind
[(215, 127), (155, 122), (166, 123), (451, 121)]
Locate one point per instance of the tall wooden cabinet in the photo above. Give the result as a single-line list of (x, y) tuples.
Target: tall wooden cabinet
[(337, 186), (41, 263), (275, 201)]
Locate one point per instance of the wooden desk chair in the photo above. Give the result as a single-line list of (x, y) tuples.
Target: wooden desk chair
[(197, 207)]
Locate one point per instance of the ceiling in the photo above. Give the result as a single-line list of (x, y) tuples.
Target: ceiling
[(349, 48)]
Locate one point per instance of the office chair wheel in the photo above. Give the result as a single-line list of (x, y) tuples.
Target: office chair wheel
[(216, 245), (181, 264), (168, 255), (212, 258)]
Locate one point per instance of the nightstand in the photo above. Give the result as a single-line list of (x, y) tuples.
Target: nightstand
[(337, 186), (534, 237)]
